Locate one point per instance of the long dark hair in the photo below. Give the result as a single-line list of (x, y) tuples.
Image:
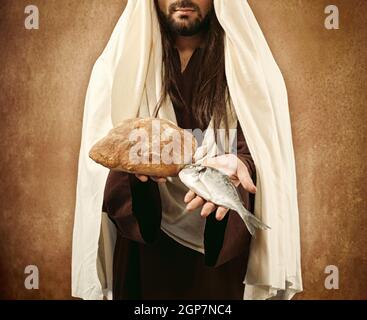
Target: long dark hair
[(211, 90)]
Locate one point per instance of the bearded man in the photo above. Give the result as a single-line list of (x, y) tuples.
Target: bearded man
[(169, 242)]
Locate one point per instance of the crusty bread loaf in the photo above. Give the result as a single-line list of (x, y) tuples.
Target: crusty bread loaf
[(152, 147)]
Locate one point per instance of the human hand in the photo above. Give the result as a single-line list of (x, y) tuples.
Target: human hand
[(238, 172)]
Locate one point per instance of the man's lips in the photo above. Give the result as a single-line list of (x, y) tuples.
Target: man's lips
[(185, 10)]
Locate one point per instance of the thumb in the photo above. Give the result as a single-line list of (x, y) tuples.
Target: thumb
[(142, 178), (246, 180)]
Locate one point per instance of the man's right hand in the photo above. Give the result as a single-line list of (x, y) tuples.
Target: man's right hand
[(143, 178)]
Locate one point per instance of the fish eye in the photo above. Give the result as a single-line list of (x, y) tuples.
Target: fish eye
[(200, 169)]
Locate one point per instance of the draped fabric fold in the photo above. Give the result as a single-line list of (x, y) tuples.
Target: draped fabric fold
[(126, 82)]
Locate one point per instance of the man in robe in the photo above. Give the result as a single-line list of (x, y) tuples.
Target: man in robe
[(168, 247), (172, 244)]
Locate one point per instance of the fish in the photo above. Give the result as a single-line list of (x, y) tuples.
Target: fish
[(215, 186)]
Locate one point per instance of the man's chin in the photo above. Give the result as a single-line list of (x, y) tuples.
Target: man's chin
[(187, 25), (184, 23), (183, 26)]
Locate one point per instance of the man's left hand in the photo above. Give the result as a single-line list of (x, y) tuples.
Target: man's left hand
[(238, 172)]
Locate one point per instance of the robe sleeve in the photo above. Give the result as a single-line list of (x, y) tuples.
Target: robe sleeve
[(227, 239), (133, 206)]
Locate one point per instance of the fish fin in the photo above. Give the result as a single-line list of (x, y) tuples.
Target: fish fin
[(253, 223)]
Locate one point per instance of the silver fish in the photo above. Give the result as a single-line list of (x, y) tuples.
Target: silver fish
[(216, 187)]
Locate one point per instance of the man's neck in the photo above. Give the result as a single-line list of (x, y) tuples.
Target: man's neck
[(189, 43), (186, 47)]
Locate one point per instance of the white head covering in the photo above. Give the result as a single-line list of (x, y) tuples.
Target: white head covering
[(126, 83)]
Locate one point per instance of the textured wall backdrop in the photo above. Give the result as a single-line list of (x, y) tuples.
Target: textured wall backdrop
[(43, 79)]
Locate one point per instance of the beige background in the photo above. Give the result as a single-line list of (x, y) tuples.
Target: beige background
[(43, 79)]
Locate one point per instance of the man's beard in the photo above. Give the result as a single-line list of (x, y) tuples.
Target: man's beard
[(178, 28)]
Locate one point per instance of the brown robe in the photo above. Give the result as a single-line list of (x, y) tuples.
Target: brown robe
[(148, 264)]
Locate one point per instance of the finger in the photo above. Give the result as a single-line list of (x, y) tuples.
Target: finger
[(142, 178), (208, 208), (189, 196), (159, 179), (221, 213), (249, 185), (195, 204), (246, 180)]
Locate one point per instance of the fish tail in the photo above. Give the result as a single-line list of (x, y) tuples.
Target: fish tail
[(253, 223)]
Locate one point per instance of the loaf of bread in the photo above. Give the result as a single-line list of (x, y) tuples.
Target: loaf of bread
[(152, 147)]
